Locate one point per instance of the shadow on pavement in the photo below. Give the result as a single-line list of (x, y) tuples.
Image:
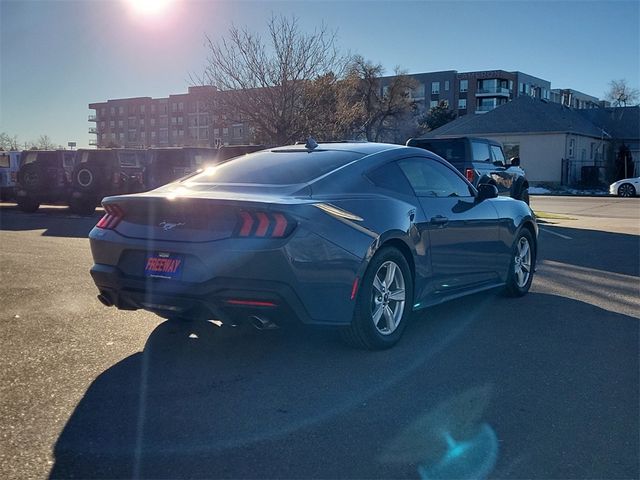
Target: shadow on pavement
[(541, 386), (55, 221), (584, 248)]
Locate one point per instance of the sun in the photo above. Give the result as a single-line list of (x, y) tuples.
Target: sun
[(149, 7)]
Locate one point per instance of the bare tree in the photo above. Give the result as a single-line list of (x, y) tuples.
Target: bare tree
[(375, 107), (621, 95), (9, 142), (265, 83)]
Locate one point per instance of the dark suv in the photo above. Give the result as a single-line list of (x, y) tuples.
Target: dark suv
[(44, 176), (104, 172), (480, 160)]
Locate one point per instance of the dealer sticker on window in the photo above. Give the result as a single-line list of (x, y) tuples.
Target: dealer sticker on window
[(164, 265)]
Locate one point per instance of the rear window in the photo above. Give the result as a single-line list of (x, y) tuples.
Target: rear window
[(480, 151), (5, 160), (277, 167), (451, 150)]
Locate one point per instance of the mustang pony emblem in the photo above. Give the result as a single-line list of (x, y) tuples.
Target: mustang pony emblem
[(166, 226)]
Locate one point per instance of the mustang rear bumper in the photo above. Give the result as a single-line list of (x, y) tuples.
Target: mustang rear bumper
[(226, 299)]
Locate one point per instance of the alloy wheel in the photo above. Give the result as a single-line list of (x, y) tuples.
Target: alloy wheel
[(388, 298), (522, 262), (626, 190)]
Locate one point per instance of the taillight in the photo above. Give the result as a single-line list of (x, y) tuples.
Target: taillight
[(264, 225), (14, 177), (470, 174), (112, 217)]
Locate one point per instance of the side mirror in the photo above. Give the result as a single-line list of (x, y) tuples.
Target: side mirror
[(486, 190), (515, 161)]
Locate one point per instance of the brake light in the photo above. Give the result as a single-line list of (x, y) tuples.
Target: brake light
[(264, 225), (112, 217), (470, 174)]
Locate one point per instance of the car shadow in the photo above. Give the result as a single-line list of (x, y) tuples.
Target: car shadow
[(541, 386), (55, 221)]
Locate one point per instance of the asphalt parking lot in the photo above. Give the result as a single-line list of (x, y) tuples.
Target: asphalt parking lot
[(545, 386)]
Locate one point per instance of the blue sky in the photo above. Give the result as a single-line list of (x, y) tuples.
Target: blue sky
[(58, 56)]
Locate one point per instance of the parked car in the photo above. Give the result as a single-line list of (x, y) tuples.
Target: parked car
[(44, 176), (226, 152), (9, 165), (480, 160), (627, 187), (356, 236), (103, 172)]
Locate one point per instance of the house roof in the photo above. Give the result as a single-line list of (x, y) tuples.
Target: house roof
[(521, 115), (620, 122)]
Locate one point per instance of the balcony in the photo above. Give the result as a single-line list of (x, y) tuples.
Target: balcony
[(492, 92), (92, 118), (93, 130), (485, 108)]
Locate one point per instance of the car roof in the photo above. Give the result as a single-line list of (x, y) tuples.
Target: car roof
[(364, 148)]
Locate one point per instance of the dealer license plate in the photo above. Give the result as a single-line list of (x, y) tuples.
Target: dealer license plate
[(164, 265)]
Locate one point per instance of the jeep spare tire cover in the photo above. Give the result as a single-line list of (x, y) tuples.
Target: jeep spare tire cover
[(88, 177)]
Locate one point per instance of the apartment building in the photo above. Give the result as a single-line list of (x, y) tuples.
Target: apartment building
[(474, 92), (575, 99), (178, 120)]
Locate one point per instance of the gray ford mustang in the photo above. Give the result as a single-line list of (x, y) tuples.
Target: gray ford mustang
[(352, 235)]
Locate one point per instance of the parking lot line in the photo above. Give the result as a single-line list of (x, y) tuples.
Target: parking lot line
[(556, 233)]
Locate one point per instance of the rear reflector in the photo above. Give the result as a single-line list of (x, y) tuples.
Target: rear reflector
[(113, 215), (470, 174), (251, 303), (264, 225)]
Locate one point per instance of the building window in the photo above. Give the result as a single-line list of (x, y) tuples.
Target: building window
[(153, 135), (464, 85), (141, 108), (174, 107), (462, 103), (180, 106), (132, 135), (572, 147), (113, 110), (142, 122), (121, 136), (180, 120), (446, 85), (435, 88), (120, 110), (153, 108), (225, 131), (152, 122), (433, 104), (120, 123), (132, 121)]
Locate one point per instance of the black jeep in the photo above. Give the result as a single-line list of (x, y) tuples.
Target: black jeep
[(480, 160), (104, 172), (44, 176), (168, 164)]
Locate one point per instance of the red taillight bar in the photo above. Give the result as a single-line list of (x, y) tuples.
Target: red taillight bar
[(251, 303), (112, 217), (264, 225), (470, 174)]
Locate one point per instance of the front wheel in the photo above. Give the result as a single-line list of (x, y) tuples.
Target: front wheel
[(28, 205), (523, 259), (626, 190), (384, 302)]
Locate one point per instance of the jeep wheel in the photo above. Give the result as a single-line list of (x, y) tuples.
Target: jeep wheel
[(82, 206), (30, 177), (28, 205)]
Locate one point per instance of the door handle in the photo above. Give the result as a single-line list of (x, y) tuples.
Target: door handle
[(439, 220)]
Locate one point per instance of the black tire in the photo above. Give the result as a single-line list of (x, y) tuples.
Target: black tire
[(626, 190), (364, 331), (28, 205), (82, 206), (521, 267), (30, 177)]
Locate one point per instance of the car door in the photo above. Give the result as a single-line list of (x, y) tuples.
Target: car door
[(504, 176), (463, 232)]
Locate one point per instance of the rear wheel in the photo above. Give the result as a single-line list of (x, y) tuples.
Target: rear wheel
[(28, 205), (521, 267), (383, 304), (82, 206), (626, 190)]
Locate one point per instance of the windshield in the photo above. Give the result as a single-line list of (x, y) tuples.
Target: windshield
[(282, 167)]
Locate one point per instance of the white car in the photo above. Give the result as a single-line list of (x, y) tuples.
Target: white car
[(627, 187)]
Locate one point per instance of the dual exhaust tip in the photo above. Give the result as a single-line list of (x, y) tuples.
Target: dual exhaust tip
[(260, 323)]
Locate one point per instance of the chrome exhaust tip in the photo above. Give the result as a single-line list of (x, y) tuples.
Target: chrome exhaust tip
[(262, 323)]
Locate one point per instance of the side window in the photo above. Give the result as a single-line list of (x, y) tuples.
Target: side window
[(496, 151), (5, 160), (390, 176), (430, 178), (480, 151)]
